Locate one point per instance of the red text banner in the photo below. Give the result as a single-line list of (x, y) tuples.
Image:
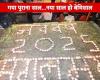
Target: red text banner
[(49, 7)]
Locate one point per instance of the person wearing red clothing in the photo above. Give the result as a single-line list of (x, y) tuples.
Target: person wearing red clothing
[(83, 17)]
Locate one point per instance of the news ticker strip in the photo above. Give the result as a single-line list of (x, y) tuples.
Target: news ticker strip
[(49, 7)]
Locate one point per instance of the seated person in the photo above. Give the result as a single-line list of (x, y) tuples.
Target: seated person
[(83, 17), (70, 17), (60, 17), (46, 16)]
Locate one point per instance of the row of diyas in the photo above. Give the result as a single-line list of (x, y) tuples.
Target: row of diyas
[(56, 28), (39, 64)]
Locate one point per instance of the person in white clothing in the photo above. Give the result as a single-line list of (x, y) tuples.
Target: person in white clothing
[(46, 16), (69, 18), (63, 1)]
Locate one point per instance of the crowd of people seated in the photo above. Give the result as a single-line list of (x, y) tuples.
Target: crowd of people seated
[(64, 16)]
